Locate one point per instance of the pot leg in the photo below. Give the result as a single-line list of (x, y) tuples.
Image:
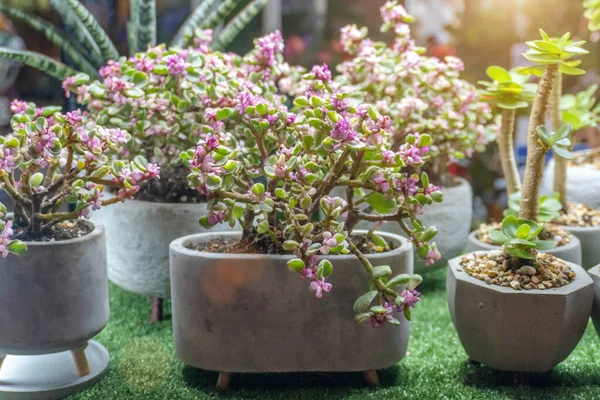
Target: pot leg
[(473, 362), (371, 378), (80, 359), (2, 358), (224, 380), (157, 310)]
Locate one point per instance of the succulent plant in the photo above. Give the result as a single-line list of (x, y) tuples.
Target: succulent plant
[(519, 237)]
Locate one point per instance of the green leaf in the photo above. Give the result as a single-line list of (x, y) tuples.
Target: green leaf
[(224, 113), (547, 46), (139, 79), (407, 313), (381, 203), (36, 179), (401, 279), (364, 301), (563, 153), (325, 268), (544, 244), (106, 46), (519, 242), (381, 272), (520, 253), (523, 231), (186, 30), (498, 74), (497, 236), (144, 23), (233, 28), (510, 226), (17, 247), (296, 264), (567, 70), (38, 61)]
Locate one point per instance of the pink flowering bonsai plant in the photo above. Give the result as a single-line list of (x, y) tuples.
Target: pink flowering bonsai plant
[(57, 279), (422, 95), (161, 97), (273, 171)]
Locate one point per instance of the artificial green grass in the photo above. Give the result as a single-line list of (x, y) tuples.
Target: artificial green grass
[(144, 365)]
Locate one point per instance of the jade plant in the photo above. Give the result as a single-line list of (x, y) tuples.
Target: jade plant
[(161, 96), (592, 14), (581, 111), (420, 93), (509, 91), (52, 159), (300, 156), (89, 47)]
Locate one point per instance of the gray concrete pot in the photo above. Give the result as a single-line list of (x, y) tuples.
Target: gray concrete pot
[(55, 296), (583, 183), (452, 218), (589, 237), (570, 252), (594, 273), (249, 313), (521, 331), (138, 237)]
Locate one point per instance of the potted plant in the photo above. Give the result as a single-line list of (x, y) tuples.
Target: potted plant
[(422, 94), (89, 47), (160, 97), (519, 309), (510, 91), (221, 281), (54, 294)]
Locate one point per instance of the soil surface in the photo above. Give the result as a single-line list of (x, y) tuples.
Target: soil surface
[(589, 160), (62, 231), (550, 232), (579, 215), (261, 244), (495, 268)]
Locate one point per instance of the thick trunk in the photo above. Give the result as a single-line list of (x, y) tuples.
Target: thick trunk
[(560, 164), (532, 182), (507, 152)]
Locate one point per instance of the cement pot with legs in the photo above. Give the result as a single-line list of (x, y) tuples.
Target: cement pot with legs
[(138, 237), (247, 313), (518, 330), (589, 237), (53, 300), (594, 273), (570, 252), (583, 181)]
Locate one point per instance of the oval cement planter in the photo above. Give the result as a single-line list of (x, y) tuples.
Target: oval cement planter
[(589, 237), (248, 313), (452, 218), (138, 237), (570, 252), (594, 273), (583, 183), (521, 331), (53, 299)]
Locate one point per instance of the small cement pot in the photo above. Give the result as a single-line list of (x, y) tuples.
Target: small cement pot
[(589, 237), (583, 183), (520, 331), (53, 298), (138, 237), (570, 252), (452, 218), (248, 313), (594, 273)]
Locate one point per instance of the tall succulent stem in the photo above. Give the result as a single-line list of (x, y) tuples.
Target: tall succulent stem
[(507, 152), (532, 182), (560, 164)]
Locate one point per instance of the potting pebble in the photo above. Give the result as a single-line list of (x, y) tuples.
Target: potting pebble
[(579, 215), (493, 267), (550, 232)]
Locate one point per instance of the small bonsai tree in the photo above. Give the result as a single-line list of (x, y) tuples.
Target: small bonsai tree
[(89, 46), (420, 93), (579, 110), (302, 156), (510, 92), (554, 56), (51, 159), (160, 97)]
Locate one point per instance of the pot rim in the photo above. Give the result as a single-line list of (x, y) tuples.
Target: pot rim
[(582, 279), (572, 229), (595, 270), (97, 230), (566, 247), (178, 246)]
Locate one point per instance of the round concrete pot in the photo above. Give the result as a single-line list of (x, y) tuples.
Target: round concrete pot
[(589, 237), (138, 237), (53, 298), (520, 331), (594, 273), (570, 252), (248, 313), (583, 183), (452, 218)]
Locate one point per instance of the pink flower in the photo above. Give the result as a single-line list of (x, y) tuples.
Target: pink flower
[(319, 286), (381, 183), (322, 72), (379, 319), (18, 106), (74, 118), (66, 85), (216, 217), (411, 297), (343, 131), (328, 243), (432, 256), (177, 64)]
